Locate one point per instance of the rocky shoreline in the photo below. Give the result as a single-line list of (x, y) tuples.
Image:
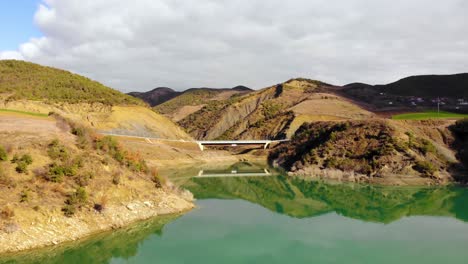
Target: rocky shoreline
[(52, 228)]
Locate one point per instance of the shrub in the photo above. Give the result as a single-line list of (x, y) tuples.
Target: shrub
[(271, 109), (56, 173), (3, 154), (81, 195), (75, 201), (82, 134), (69, 210), (137, 166), (84, 178), (425, 167), (24, 196), (101, 205), (111, 146), (158, 180), (78, 131), (21, 167), (427, 147), (57, 151), (22, 163), (15, 158), (26, 158)]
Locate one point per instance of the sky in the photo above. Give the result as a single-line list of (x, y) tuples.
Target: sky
[(16, 22), (142, 44)]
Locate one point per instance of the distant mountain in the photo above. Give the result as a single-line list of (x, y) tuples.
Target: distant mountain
[(455, 85), (241, 88), (156, 96), (161, 95), (415, 93)]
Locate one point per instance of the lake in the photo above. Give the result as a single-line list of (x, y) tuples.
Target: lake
[(271, 218)]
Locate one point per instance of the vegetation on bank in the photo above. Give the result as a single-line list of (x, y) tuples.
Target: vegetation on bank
[(71, 172), (369, 148), (429, 115), (25, 80)]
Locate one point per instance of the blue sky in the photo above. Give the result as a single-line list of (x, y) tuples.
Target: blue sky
[(16, 22)]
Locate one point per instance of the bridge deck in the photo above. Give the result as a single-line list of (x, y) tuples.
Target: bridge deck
[(238, 142), (202, 143)]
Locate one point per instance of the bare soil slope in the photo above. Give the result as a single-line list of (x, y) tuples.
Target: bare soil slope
[(127, 120)]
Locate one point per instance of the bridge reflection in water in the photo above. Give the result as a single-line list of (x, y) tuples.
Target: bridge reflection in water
[(233, 173), (236, 170)]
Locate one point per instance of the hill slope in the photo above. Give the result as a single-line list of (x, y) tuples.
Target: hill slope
[(415, 92), (60, 182), (26, 80), (273, 112), (376, 151), (34, 88), (194, 99), (454, 85)]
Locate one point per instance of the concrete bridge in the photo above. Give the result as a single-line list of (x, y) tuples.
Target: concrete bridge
[(202, 143), (235, 143)]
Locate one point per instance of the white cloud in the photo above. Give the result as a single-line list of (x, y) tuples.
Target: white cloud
[(141, 44), (10, 55)]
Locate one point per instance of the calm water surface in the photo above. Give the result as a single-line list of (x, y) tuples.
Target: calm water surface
[(276, 219)]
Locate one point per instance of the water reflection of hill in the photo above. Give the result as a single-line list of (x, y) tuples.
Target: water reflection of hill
[(299, 198)]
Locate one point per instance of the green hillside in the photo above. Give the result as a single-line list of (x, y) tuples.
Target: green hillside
[(25, 80), (429, 115)]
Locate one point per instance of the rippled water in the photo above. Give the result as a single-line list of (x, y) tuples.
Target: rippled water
[(276, 219)]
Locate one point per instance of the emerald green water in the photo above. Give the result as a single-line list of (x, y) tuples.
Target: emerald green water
[(277, 219)]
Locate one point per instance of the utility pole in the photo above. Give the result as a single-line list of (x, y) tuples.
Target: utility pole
[(438, 106)]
